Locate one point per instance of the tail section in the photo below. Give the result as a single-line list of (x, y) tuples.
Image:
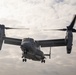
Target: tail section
[(49, 53), (2, 35)]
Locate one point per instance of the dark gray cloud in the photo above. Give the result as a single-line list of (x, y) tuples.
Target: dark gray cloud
[(58, 1), (34, 1)]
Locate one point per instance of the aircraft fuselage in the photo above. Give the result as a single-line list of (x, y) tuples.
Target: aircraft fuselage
[(31, 50)]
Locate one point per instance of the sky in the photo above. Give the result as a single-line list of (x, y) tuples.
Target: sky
[(37, 15)]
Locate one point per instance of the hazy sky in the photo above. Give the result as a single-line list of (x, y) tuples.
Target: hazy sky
[(37, 15)]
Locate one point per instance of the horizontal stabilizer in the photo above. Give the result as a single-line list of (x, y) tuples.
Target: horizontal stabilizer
[(46, 54)]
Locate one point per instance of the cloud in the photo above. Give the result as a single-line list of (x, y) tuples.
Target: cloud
[(37, 15)]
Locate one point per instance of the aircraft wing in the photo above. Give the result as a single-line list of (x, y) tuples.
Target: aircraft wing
[(52, 43), (13, 41)]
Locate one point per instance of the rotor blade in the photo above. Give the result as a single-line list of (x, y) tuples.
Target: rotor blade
[(60, 29), (55, 29), (73, 30), (72, 23), (15, 28)]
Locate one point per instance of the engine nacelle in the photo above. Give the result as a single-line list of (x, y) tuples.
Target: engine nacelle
[(2, 34), (69, 50), (69, 42)]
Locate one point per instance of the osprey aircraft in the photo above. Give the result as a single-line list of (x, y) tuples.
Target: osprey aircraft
[(31, 48)]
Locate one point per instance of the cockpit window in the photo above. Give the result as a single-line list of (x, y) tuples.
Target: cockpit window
[(28, 39)]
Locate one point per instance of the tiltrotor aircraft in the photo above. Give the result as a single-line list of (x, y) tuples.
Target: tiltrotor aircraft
[(31, 48)]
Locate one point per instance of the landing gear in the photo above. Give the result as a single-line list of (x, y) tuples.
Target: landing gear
[(42, 61), (24, 60)]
